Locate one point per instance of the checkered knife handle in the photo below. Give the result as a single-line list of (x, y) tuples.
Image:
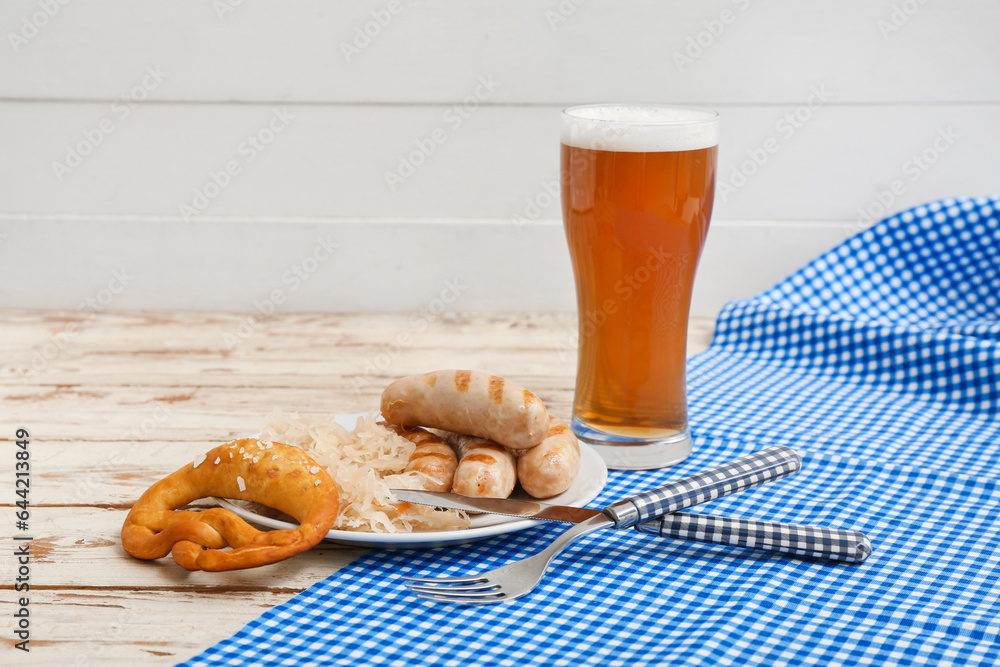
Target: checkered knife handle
[(848, 546), (745, 472)]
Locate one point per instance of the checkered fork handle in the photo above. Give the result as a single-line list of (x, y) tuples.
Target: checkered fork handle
[(745, 472), (847, 546)]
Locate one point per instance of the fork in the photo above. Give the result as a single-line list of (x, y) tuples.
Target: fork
[(514, 580)]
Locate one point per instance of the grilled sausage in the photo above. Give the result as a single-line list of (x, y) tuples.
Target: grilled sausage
[(550, 468), (468, 402), (433, 457), (485, 469)]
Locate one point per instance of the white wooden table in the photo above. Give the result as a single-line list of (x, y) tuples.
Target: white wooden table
[(117, 401)]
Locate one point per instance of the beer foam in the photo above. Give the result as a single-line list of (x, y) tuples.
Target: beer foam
[(639, 128)]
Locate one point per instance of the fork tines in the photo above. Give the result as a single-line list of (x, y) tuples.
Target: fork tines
[(460, 590)]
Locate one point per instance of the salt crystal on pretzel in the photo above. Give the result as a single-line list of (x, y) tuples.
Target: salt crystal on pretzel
[(153, 528)]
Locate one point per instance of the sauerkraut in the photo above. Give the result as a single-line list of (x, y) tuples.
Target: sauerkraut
[(366, 464)]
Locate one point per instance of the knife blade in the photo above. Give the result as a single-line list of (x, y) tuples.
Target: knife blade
[(523, 509)]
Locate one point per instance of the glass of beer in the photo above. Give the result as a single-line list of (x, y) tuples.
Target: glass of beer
[(637, 187)]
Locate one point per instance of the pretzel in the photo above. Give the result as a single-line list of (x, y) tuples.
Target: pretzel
[(277, 475)]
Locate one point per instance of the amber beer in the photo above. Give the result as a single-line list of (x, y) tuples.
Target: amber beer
[(637, 190)]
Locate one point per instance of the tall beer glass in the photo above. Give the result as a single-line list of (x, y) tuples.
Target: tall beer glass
[(637, 189)]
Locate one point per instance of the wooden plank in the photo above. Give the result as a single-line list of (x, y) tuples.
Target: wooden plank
[(80, 547), (336, 352), (216, 413), (161, 629), (285, 335), (81, 412), (201, 338), (130, 627), (107, 474), (276, 368), (601, 49), (187, 329), (195, 334)]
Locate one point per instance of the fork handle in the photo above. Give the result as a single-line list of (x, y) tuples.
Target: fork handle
[(745, 472), (848, 546)]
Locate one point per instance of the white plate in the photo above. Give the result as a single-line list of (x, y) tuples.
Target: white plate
[(592, 478)]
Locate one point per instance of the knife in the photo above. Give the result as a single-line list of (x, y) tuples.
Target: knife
[(764, 466)]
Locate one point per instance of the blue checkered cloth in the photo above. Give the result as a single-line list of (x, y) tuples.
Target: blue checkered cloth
[(879, 362)]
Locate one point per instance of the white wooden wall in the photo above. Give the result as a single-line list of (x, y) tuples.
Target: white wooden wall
[(125, 139)]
